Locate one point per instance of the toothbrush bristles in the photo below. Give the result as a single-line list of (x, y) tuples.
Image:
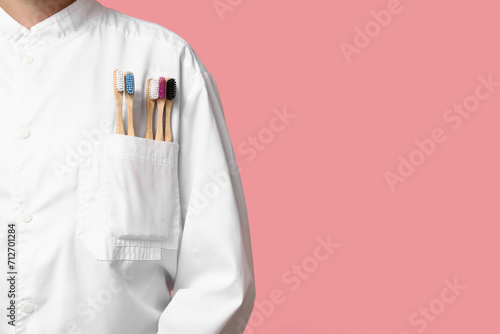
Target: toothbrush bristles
[(153, 89), (171, 89), (162, 87), (129, 80), (120, 81)]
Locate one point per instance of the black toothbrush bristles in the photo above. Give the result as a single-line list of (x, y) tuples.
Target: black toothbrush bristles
[(171, 89)]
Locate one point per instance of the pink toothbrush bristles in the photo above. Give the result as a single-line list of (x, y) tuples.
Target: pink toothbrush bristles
[(163, 88)]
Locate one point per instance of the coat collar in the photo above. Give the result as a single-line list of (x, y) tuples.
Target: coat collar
[(53, 28)]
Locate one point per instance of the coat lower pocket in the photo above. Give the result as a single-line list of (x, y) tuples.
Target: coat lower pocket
[(128, 205)]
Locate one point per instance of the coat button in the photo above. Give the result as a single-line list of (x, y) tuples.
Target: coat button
[(24, 133), (28, 59), (27, 217), (28, 308)]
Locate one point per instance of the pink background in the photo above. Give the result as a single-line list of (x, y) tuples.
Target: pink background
[(323, 173)]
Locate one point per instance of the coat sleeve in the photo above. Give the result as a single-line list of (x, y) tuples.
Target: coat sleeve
[(213, 288)]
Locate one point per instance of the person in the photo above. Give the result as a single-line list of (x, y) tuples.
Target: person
[(106, 232)]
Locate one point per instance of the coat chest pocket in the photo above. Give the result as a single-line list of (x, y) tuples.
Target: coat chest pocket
[(128, 198)]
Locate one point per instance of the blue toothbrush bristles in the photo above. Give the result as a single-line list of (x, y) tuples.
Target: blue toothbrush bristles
[(129, 81)]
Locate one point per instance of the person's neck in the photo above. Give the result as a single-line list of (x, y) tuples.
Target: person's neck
[(30, 12)]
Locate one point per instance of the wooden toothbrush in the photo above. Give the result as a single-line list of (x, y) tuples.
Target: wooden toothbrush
[(151, 97), (130, 90), (171, 92), (162, 95), (119, 87)]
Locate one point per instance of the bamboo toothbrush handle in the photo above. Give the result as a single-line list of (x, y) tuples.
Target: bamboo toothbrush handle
[(130, 112), (159, 128), (119, 115), (168, 128), (150, 106)]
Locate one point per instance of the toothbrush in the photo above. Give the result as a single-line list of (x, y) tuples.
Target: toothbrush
[(119, 87), (129, 84), (152, 95), (162, 95), (171, 92)]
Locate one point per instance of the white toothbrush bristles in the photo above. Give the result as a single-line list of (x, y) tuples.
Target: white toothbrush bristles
[(154, 89), (120, 81)]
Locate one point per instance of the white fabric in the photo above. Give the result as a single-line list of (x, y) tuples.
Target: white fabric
[(107, 226)]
